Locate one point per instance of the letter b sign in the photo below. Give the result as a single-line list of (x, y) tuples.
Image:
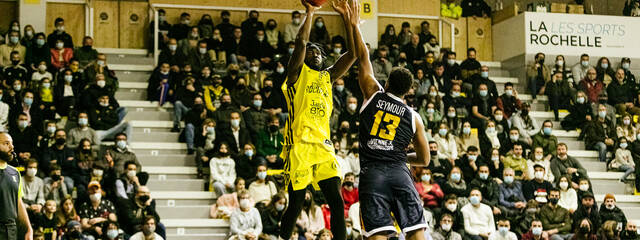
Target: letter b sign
[(367, 9)]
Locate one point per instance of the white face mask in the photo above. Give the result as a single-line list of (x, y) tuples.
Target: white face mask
[(255, 69), (352, 106), (498, 118), (538, 157), (280, 70), (131, 173), (101, 83), (59, 45), (563, 185), (31, 172), (202, 50), (173, 47), (245, 203), (96, 197), (97, 172), (446, 227), (452, 207), (42, 68), (584, 187), (538, 175)]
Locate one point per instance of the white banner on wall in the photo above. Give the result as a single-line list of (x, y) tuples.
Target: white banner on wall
[(574, 34)]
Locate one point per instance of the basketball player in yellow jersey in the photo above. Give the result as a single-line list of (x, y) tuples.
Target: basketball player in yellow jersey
[(308, 151)]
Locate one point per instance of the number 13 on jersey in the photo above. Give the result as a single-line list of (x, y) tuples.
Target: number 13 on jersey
[(391, 121)]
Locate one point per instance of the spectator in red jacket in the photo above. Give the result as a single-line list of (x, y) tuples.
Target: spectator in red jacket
[(349, 191), (591, 85), (429, 191), (61, 56)]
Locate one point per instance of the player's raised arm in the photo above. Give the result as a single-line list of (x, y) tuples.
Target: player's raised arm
[(420, 145), (368, 83), (300, 50), (347, 59)]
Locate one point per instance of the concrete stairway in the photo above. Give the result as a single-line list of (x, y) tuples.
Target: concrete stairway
[(181, 202), (184, 206)]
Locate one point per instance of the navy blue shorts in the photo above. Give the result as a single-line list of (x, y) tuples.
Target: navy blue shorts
[(387, 188)]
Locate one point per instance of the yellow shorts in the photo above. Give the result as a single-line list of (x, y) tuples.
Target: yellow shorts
[(309, 163)]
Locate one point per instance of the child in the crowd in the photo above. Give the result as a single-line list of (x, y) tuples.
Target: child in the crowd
[(623, 161), (47, 222)]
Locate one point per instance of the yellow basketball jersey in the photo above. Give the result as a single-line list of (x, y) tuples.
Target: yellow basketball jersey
[(310, 103)]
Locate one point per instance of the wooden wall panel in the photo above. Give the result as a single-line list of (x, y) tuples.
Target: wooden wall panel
[(479, 37), (8, 15), (333, 22), (105, 28), (74, 19), (397, 23), (460, 31), (277, 4), (414, 7), (134, 24)]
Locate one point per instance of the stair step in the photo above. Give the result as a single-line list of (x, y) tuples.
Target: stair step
[(183, 202), (131, 94), (133, 76), (203, 236), (182, 184), (129, 59), (131, 67), (156, 136), (196, 226), (141, 104), (181, 160), (604, 186), (184, 212), (145, 114)]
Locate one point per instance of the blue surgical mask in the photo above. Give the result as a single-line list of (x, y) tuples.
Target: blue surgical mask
[(474, 200), (455, 94), (14, 39), (483, 93), (249, 153), (83, 121), (547, 130), (509, 92), (455, 177), (580, 100), (235, 123), (536, 231), (484, 74), (430, 110), (503, 230), (68, 78), (340, 88), (623, 145), (112, 233), (483, 176), (51, 129), (442, 132), (508, 179), (257, 103), (262, 175), (40, 42), (121, 144), (472, 157), (604, 65), (28, 101), (211, 130), (425, 177), (319, 24), (626, 66), (602, 114), (466, 130), (585, 63), (23, 124)]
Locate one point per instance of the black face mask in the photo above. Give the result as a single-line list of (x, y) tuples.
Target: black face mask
[(225, 20), (86, 47), (55, 177), (273, 128), (143, 198), (233, 72), (553, 201), (525, 112), (541, 61), (241, 86), (348, 184), (224, 104), (268, 88), (15, 62), (355, 150), (584, 229), (433, 153), (307, 202), (630, 234), (75, 234), (271, 27), (344, 130), (86, 151), (60, 141)]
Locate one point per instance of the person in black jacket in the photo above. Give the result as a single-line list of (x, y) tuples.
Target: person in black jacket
[(487, 186), (483, 105), (271, 215), (588, 209), (228, 134), (580, 112), (38, 51), (132, 212), (59, 34), (171, 55), (25, 137), (609, 211), (194, 120), (185, 97), (622, 93), (450, 206), (179, 31), (60, 154), (105, 120)]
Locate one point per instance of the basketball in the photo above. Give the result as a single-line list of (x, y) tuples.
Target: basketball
[(316, 3)]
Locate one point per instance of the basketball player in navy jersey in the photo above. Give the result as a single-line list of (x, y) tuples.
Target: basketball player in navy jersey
[(387, 127)]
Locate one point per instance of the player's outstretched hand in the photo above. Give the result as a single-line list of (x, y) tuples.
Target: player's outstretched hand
[(341, 6), (309, 6), (354, 12)]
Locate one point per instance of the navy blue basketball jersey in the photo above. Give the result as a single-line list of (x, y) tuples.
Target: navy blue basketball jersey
[(387, 127)]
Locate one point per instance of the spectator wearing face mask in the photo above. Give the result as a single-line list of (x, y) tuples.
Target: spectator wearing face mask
[(455, 184), (444, 230), (181, 30), (470, 163), (113, 231), (60, 56), (255, 77), (13, 44), (446, 142), (38, 51), (247, 161), (255, 117), (579, 71), (503, 232), (251, 25), (214, 95), (311, 220), (75, 232), (600, 134), (340, 95), (60, 154), (568, 196), (225, 27), (41, 73), (148, 230), (234, 133), (14, 71), (538, 158), (137, 209), (120, 153), (171, 55), (262, 189), (336, 52), (261, 49), (291, 29), (489, 188), (591, 85), (382, 64), (351, 114), (127, 185), (100, 67), (627, 129), (510, 198), (319, 33), (546, 140), (273, 99), (271, 215), (96, 211), (625, 64), (605, 71), (349, 192), (24, 135), (245, 222), (269, 143), (478, 217), (223, 171), (531, 187), (82, 131), (557, 90), (538, 74), (33, 189), (200, 56), (623, 160), (483, 106), (556, 220), (466, 138), (580, 112), (106, 120)]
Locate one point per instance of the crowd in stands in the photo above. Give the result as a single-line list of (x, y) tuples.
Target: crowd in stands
[(496, 172), (80, 179)]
